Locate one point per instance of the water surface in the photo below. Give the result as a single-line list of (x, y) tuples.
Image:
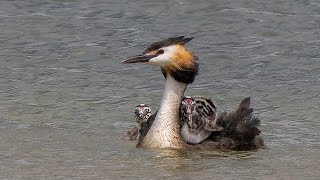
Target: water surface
[(65, 100)]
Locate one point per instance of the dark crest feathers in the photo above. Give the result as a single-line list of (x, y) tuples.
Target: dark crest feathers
[(167, 42)]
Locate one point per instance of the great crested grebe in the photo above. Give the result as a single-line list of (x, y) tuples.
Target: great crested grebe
[(179, 67), (142, 113)]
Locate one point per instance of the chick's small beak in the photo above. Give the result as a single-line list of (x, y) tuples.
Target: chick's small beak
[(138, 59), (190, 118)]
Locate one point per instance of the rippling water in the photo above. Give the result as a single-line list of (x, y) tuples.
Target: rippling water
[(65, 100)]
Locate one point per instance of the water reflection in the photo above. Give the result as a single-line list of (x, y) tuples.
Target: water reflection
[(180, 161)]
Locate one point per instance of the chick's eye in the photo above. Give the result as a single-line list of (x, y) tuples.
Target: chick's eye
[(161, 51)]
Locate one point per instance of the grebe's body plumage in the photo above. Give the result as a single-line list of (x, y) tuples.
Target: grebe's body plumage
[(179, 66), (164, 132)]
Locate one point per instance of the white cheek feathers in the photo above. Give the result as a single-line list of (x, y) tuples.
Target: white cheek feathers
[(165, 58), (161, 60)]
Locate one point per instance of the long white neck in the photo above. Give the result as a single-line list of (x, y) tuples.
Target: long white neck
[(164, 132)]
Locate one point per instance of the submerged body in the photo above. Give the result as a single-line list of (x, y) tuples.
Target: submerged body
[(132, 134), (161, 130)]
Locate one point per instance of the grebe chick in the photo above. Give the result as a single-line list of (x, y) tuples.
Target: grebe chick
[(198, 119), (142, 113)]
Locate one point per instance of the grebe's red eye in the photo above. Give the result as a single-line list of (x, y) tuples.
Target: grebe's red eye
[(161, 51)]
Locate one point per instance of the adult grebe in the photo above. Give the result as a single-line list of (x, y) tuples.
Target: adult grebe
[(179, 67)]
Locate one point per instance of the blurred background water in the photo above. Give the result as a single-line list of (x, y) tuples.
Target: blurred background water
[(65, 100)]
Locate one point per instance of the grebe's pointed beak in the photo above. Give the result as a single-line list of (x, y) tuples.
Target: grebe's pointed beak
[(138, 59)]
